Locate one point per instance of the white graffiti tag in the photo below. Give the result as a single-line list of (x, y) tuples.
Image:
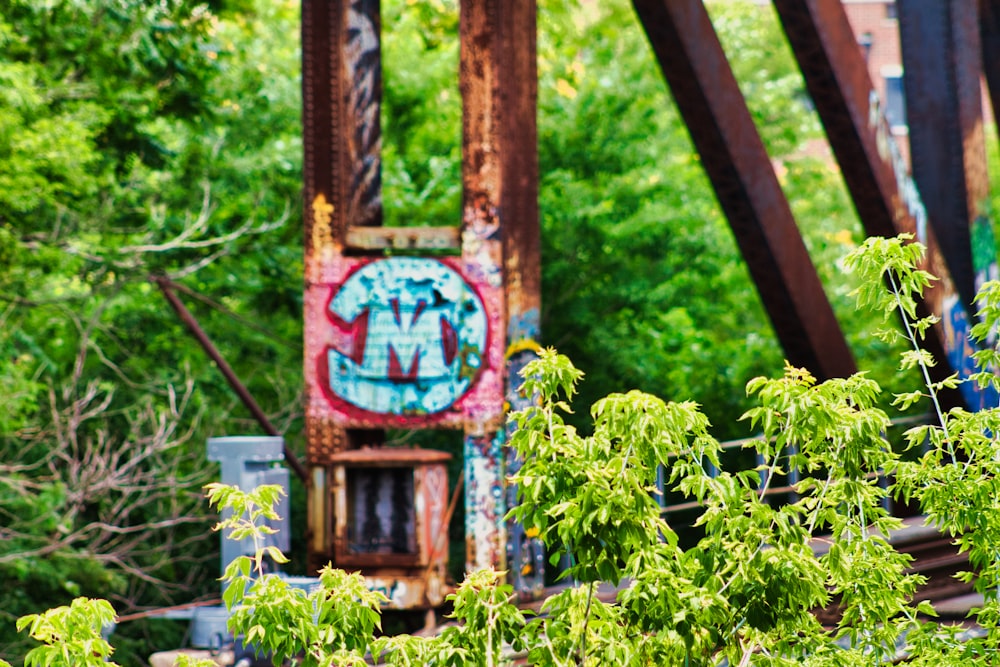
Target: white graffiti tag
[(418, 337)]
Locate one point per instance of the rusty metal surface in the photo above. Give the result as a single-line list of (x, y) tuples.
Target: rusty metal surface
[(319, 517), (734, 157), (522, 254), (403, 238), (378, 335), (409, 568), (341, 94), (234, 382), (389, 456), (342, 99), (942, 73), (989, 34), (518, 90), (500, 242), (885, 196), (482, 247)]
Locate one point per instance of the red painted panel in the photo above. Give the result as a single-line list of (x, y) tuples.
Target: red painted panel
[(403, 342)]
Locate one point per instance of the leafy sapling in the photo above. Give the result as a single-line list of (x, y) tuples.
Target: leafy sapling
[(70, 635), (954, 480), (243, 515), (331, 625), (892, 283)]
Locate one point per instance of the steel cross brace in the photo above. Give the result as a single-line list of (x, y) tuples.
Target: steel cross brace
[(885, 196), (722, 129), (989, 33), (942, 71)]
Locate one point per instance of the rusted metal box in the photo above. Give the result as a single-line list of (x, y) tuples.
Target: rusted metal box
[(389, 508)]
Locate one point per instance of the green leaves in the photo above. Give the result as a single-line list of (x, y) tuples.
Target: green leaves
[(487, 618), (70, 635), (590, 497), (889, 260), (744, 591), (334, 622)]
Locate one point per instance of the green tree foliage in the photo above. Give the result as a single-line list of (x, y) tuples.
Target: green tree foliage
[(644, 285), (164, 138), (137, 139), (744, 594)]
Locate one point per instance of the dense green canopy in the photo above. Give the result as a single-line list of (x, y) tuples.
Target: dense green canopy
[(145, 139)]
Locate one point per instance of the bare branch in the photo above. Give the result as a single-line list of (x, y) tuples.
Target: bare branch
[(189, 237), (132, 486)]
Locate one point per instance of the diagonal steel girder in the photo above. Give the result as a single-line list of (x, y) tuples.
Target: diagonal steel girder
[(722, 129), (942, 71), (989, 34), (885, 196)]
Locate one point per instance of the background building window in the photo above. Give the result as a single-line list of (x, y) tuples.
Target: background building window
[(895, 100), (865, 41)]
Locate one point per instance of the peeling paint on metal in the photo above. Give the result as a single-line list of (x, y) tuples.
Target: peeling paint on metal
[(403, 341), (484, 501), (525, 553), (960, 350)]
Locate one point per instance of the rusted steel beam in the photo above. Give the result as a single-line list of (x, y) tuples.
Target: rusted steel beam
[(403, 238), (482, 177), (737, 163), (227, 372), (342, 98), (942, 74), (341, 95), (989, 34), (341, 103), (885, 196), (500, 241), (520, 231)]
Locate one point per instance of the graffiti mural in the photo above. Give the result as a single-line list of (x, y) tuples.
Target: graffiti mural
[(417, 337), (484, 501), (960, 350), (525, 552), (984, 251), (405, 341)]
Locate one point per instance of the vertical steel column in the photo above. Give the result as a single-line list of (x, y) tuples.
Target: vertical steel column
[(482, 179), (341, 95), (520, 231), (498, 82), (941, 76), (737, 163), (886, 198), (989, 33)]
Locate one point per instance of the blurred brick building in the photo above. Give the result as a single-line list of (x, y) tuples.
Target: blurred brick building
[(876, 27)]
